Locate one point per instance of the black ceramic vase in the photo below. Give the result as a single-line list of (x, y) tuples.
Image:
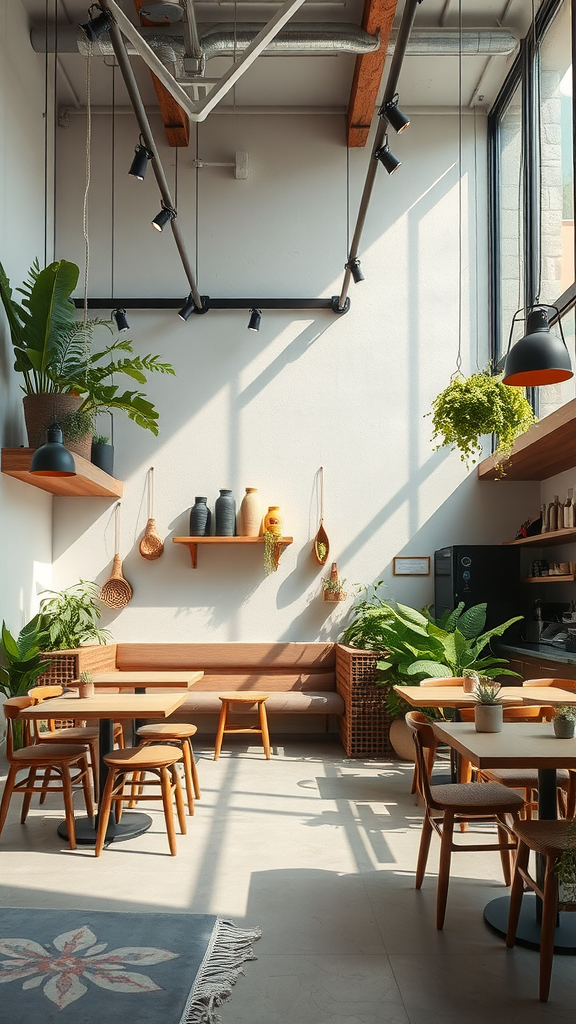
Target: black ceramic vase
[(200, 518), (225, 509), (103, 456)]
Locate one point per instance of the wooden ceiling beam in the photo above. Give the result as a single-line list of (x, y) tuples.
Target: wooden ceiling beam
[(378, 17), (176, 123)]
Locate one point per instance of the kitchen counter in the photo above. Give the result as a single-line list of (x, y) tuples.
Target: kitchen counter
[(544, 652)]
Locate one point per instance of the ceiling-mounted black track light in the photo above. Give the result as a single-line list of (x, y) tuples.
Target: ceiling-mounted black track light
[(187, 309), (167, 213), (539, 357), (255, 318), (120, 318), (396, 117), (355, 269), (140, 162), (387, 158), (53, 458), (95, 27)]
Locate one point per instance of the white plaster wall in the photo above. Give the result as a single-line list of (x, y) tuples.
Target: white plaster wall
[(347, 393), (25, 512)]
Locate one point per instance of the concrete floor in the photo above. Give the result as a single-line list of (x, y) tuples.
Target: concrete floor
[(318, 851)]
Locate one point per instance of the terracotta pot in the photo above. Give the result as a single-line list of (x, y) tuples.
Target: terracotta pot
[(401, 739), (42, 410)]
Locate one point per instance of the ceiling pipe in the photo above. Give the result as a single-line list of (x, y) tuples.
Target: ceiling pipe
[(404, 31), (146, 131)]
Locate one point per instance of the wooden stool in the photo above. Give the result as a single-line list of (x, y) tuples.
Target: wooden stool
[(178, 733), (156, 760), (246, 699)]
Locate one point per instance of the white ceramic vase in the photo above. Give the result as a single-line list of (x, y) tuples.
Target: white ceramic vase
[(251, 514), (488, 717)]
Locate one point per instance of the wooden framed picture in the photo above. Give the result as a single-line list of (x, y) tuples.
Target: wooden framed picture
[(405, 566)]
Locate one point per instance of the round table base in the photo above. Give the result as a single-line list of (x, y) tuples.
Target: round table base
[(132, 824), (528, 933)]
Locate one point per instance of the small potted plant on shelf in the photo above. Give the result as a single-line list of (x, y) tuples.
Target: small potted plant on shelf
[(333, 585), (564, 721), (488, 715)]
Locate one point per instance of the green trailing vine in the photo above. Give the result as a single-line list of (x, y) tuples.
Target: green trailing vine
[(271, 552), (480, 404)]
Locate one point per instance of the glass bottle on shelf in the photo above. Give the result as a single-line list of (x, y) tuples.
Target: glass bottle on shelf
[(552, 518), (567, 510)]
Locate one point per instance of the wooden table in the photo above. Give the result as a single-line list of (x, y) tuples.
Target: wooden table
[(520, 745), (455, 696), (106, 708)]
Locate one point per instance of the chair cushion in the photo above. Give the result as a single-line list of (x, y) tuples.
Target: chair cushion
[(475, 798), (292, 702), (523, 778), (547, 837)]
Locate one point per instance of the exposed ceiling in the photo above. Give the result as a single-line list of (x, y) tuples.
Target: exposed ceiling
[(335, 80)]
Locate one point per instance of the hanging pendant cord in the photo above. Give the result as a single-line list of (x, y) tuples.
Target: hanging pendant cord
[(87, 188), (459, 356), (151, 492), (113, 190)]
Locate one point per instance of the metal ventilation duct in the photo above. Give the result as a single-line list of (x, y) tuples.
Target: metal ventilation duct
[(297, 38)]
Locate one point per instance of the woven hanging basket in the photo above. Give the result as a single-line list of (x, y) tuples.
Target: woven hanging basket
[(116, 592), (151, 545)]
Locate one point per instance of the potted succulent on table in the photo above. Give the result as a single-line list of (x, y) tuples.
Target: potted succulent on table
[(488, 710), (65, 380), (564, 721)]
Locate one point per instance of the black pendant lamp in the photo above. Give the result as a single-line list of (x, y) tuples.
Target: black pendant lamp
[(53, 458), (540, 357)]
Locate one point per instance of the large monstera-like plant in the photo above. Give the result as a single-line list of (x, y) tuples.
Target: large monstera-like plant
[(412, 645), (54, 350)]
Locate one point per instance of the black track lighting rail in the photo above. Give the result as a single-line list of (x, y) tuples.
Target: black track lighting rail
[(209, 303)]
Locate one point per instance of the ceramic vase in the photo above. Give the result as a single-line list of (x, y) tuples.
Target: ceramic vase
[(225, 510), (250, 515), (488, 717), (273, 520), (200, 518), (103, 457), (563, 728)]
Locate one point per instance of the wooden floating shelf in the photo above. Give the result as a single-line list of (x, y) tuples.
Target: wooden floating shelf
[(550, 579), (546, 540), (548, 448), (193, 542), (89, 482)]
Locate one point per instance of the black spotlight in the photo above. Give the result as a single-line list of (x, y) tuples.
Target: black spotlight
[(166, 214), (53, 458), (255, 318), (396, 117), (140, 161), (120, 318), (355, 269), (96, 27), (386, 158), (187, 309), (540, 357)]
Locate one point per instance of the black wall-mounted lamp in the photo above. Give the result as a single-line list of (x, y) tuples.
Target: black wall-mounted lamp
[(255, 318), (539, 357), (95, 27), (53, 458), (396, 117), (167, 213), (387, 158), (355, 269), (120, 318), (187, 308), (140, 162)]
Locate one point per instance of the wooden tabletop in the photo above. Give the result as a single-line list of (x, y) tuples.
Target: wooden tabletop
[(519, 745), (108, 705), (120, 678), (455, 697)]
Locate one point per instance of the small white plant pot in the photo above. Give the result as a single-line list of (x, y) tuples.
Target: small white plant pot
[(564, 728), (488, 717)]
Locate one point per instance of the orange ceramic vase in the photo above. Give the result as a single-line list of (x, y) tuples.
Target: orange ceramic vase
[(273, 520)]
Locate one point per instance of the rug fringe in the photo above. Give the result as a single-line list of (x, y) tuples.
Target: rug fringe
[(229, 948)]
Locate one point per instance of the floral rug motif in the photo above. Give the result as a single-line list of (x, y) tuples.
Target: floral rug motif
[(77, 967)]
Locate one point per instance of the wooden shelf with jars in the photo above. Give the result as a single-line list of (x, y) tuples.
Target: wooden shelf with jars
[(546, 449), (89, 482), (546, 540), (193, 542), (569, 578)]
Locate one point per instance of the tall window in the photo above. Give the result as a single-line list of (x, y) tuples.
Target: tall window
[(511, 205)]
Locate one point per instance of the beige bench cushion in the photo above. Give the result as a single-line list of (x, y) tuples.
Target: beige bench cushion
[(323, 703)]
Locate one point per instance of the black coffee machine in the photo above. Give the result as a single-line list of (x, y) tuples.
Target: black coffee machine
[(547, 623)]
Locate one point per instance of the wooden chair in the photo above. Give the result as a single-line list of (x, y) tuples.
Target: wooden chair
[(548, 838), (525, 779), (158, 761), (564, 684), (245, 700), (419, 716), (180, 734), (57, 731), (445, 805), (46, 759)]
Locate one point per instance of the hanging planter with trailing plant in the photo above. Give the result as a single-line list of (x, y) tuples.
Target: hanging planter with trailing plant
[(480, 404)]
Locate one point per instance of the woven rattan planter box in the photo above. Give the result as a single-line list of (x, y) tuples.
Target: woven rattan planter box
[(67, 665), (364, 729)]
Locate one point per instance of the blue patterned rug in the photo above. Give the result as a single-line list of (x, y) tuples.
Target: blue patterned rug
[(90, 966)]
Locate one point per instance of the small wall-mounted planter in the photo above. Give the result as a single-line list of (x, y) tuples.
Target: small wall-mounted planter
[(332, 586), (338, 595)]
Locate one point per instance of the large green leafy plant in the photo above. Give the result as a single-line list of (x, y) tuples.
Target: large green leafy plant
[(22, 663), (471, 407), (53, 350), (412, 645), (69, 618)]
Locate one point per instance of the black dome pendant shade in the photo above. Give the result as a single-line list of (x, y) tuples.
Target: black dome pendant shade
[(540, 357), (53, 458)]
